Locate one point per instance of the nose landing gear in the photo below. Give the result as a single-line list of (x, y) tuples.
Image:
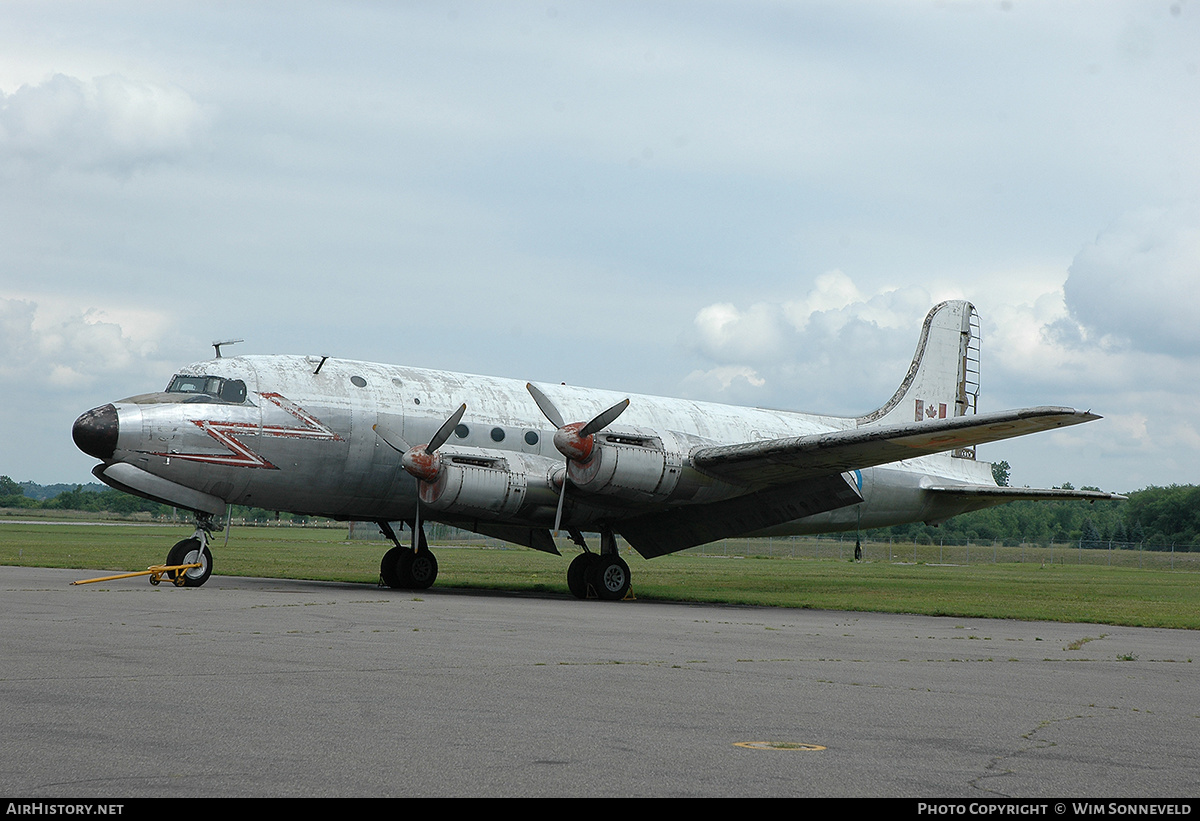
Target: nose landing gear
[(191, 551), (189, 563)]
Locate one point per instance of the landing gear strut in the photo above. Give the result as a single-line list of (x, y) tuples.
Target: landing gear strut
[(604, 575), (404, 568)]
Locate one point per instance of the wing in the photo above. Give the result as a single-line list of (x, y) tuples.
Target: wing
[(656, 534), (782, 461), (801, 476), (538, 538)]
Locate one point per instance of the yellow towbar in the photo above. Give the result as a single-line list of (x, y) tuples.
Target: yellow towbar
[(155, 572)]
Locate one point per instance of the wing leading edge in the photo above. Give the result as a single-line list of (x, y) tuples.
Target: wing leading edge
[(782, 461)]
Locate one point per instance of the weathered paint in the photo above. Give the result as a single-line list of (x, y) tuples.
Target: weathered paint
[(328, 436)]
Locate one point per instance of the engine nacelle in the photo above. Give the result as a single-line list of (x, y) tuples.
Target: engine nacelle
[(636, 465), (488, 484)]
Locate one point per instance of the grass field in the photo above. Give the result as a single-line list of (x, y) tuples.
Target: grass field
[(889, 580)]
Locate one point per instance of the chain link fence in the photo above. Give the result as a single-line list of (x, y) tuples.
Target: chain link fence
[(842, 547)]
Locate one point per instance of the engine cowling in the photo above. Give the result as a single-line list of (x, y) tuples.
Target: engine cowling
[(635, 464), (488, 484)]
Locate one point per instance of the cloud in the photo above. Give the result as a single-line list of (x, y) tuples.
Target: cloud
[(728, 334), (833, 292), (1135, 285), (834, 349), (59, 360), (737, 383), (65, 350), (16, 334), (110, 124), (766, 331)]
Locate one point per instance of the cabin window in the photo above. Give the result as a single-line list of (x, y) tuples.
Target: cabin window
[(497, 434), (531, 437), (461, 431), (233, 391), (358, 381)]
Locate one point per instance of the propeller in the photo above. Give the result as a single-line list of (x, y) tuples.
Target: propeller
[(421, 461), (575, 441)]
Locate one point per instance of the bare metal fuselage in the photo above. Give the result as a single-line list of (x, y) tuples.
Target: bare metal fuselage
[(305, 440), (383, 443)]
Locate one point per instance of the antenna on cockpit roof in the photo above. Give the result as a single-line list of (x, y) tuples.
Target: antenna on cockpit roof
[(217, 345)]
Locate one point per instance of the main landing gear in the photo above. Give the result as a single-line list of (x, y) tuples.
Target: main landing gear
[(604, 575), (405, 568)]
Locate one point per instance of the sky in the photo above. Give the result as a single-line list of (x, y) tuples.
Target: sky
[(750, 202)]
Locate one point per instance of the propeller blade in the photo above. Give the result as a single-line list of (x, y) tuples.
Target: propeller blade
[(562, 494), (546, 406), (416, 525), (445, 430), (392, 439), (573, 445), (603, 420)]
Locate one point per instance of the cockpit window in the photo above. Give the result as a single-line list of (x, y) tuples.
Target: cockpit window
[(232, 391)]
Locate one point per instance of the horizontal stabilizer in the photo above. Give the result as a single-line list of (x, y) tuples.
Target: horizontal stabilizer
[(779, 461), (1017, 494)]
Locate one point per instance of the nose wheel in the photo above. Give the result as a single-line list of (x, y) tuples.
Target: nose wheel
[(190, 551)]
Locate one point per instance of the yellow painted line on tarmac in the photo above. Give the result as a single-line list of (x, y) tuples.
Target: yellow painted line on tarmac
[(777, 745)]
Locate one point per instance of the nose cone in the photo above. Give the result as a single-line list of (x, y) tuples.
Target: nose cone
[(95, 433)]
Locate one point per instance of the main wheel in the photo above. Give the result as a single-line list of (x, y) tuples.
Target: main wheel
[(609, 577), (422, 570), (403, 565), (577, 574), (189, 551), (388, 567)]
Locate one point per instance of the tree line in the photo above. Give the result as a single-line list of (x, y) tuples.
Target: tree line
[(1154, 517), (100, 499)]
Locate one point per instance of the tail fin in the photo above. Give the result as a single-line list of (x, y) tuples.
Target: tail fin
[(943, 380)]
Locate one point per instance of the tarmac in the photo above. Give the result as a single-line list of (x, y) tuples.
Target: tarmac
[(253, 687)]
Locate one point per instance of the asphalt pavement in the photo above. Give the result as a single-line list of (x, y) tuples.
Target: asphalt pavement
[(261, 687)]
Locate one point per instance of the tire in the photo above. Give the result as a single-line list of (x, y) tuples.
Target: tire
[(423, 570), (609, 577), (388, 567), (577, 574), (186, 552), (402, 569)]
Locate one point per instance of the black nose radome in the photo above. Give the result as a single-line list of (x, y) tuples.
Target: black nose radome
[(95, 433)]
